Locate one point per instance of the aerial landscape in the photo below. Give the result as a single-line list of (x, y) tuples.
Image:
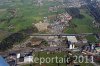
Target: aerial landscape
[(49, 32)]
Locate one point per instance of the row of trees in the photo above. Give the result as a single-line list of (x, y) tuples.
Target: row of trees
[(75, 12)]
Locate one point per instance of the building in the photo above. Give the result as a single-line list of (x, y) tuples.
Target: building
[(72, 39), (84, 41), (71, 42), (3, 62), (56, 1), (40, 2), (97, 45), (28, 59), (24, 58), (65, 17), (11, 58), (98, 49), (97, 56), (73, 3), (97, 36)]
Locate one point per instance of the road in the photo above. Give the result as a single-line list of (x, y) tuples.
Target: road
[(62, 34)]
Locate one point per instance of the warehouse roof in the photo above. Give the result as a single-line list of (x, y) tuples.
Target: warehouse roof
[(72, 39)]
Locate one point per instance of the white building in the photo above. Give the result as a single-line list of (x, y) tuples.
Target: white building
[(24, 59), (28, 59), (72, 40)]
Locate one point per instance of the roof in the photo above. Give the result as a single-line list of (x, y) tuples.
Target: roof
[(3, 62), (98, 49), (28, 59), (72, 39)]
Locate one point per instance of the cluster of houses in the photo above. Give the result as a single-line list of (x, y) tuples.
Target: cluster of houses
[(86, 48), (56, 1), (65, 17), (24, 58), (98, 3), (61, 20), (67, 4), (15, 59), (56, 8), (92, 50), (72, 42), (73, 3)]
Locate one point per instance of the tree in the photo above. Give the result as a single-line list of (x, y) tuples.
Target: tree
[(11, 40), (73, 11)]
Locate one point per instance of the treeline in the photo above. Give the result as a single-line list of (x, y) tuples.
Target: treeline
[(75, 12), (11, 40)]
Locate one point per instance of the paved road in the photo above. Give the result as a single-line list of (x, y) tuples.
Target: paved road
[(62, 34)]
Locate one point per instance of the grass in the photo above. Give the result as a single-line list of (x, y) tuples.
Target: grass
[(69, 31), (91, 38), (83, 25), (52, 55), (45, 55), (27, 14), (3, 34), (86, 64), (59, 54), (83, 29)]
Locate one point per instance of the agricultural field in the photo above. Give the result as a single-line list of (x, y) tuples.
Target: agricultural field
[(21, 14), (26, 14), (82, 25)]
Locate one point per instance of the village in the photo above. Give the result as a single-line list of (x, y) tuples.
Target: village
[(53, 40)]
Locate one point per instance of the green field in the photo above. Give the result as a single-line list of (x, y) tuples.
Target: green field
[(70, 31), (45, 55), (83, 25), (91, 38), (27, 13)]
